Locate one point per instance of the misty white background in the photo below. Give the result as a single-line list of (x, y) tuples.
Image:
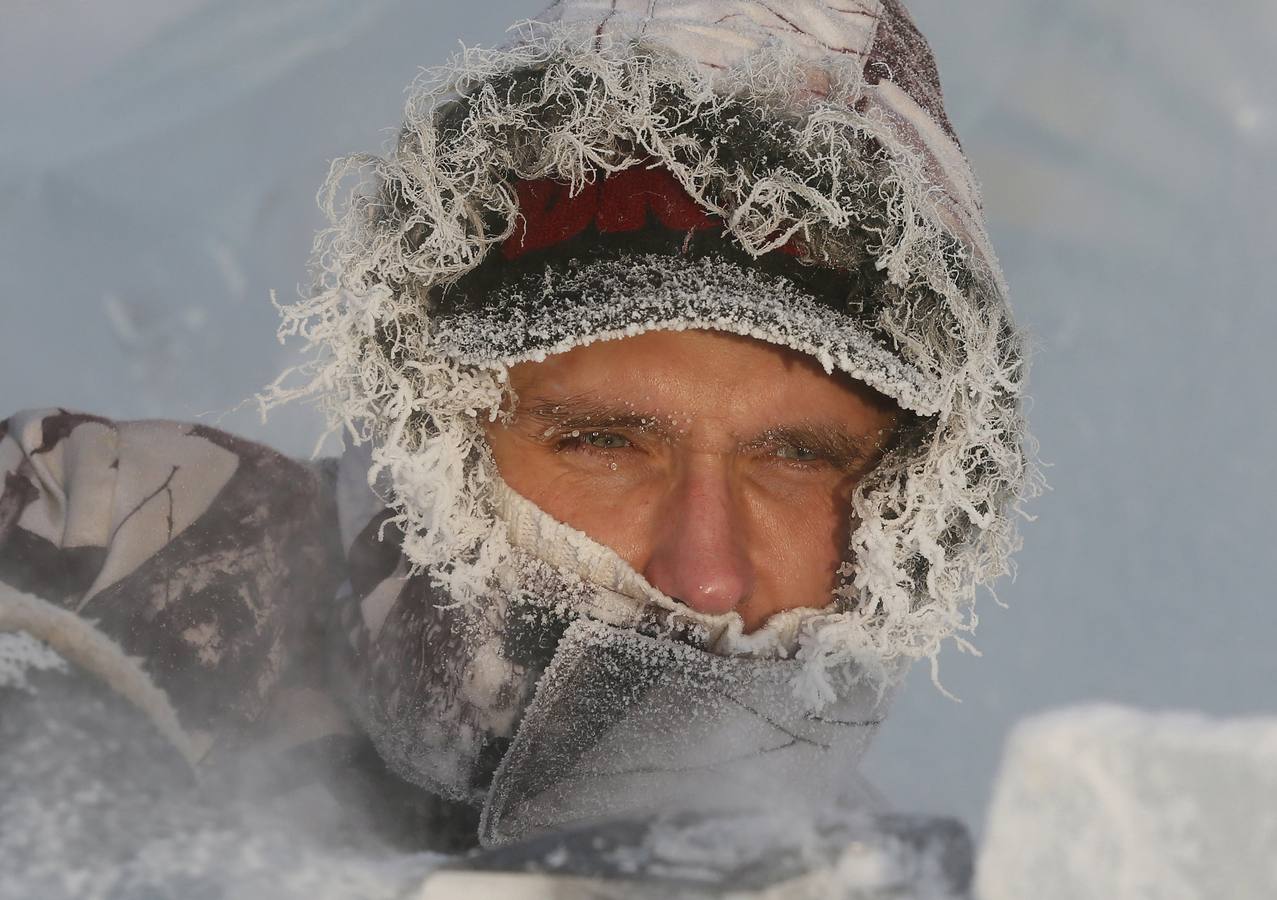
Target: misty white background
[(158, 164)]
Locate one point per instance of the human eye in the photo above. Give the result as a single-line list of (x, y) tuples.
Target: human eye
[(579, 439), (797, 454), (605, 440), (806, 451)]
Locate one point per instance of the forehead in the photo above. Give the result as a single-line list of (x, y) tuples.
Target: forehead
[(699, 372)]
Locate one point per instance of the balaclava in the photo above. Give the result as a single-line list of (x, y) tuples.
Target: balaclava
[(782, 171)]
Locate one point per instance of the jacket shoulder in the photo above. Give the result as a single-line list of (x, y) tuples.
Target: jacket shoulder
[(199, 553)]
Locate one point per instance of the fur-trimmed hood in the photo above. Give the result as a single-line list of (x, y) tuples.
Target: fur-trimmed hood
[(810, 128)]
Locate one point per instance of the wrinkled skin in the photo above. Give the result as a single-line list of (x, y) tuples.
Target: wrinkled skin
[(720, 467)]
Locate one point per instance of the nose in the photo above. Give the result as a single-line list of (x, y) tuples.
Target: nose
[(699, 554)]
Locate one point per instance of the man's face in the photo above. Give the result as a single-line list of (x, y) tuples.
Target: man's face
[(720, 467)]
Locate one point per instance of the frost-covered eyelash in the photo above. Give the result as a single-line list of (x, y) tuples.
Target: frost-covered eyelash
[(834, 448), (580, 440), (816, 456), (818, 459)]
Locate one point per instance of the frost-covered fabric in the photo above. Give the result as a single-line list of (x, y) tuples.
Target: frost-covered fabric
[(813, 132), (627, 726), (608, 298)]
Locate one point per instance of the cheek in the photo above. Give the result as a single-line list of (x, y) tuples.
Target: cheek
[(613, 508), (614, 512), (800, 539)]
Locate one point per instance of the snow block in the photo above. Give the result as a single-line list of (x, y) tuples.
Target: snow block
[(1108, 802)]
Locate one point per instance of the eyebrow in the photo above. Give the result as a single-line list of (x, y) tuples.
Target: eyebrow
[(585, 412), (589, 413)]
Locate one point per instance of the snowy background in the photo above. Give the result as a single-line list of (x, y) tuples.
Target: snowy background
[(159, 158)]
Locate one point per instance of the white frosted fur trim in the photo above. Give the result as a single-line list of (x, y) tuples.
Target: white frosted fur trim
[(953, 169), (534, 531), (376, 370), (76, 640)]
